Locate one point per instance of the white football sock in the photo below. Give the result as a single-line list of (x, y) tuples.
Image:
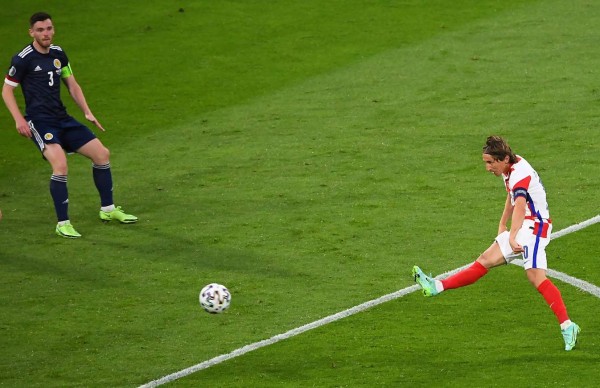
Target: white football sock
[(438, 286), (565, 324), (109, 208)]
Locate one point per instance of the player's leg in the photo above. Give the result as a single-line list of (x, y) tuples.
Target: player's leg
[(554, 299), (551, 294), (100, 157), (55, 155), (535, 264), (492, 257)]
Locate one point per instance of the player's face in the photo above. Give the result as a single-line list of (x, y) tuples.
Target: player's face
[(496, 167), (42, 33)]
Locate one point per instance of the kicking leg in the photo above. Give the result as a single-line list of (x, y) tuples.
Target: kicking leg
[(492, 257)]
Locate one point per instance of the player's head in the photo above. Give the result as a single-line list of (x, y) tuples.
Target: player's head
[(497, 155), (38, 17), (41, 29)]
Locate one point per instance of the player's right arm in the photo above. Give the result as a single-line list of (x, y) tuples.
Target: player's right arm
[(8, 95), (506, 215), (77, 94)]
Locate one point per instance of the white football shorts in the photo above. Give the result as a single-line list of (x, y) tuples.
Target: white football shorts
[(533, 236)]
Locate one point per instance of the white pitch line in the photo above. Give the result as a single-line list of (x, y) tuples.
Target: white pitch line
[(581, 284), (576, 227)]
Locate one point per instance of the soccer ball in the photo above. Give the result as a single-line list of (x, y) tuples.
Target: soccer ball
[(215, 298)]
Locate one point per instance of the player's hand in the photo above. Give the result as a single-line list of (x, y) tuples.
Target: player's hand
[(516, 247), (23, 128), (90, 117)]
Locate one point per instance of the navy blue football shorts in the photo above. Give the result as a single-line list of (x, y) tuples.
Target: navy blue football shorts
[(68, 132)]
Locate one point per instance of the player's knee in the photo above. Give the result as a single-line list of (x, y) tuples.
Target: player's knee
[(60, 168), (105, 153), (490, 259), (58, 162), (484, 260), (59, 173), (536, 276), (102, 155)]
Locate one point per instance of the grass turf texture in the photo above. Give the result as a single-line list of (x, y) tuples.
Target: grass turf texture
[(306, 157)]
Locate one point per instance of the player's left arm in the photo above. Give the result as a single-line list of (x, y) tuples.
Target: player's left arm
[(77, 94), (506, 215), (518, 216)]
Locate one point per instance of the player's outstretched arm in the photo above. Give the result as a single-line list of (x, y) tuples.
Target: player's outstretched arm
[(77, 95)]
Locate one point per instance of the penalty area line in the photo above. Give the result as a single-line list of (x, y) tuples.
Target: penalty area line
[(581, 284)]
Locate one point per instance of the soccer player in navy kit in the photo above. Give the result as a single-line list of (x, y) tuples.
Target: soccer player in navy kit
[(530, 227), (39, 68)]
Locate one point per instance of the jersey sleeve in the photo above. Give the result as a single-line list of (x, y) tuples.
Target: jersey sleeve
[(521, 188), (16, 71), (519, 184)]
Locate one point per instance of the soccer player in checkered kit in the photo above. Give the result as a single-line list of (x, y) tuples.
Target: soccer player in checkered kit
[(530, 227), (39, 69)]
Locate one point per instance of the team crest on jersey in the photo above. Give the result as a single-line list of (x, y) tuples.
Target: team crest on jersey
[(12, 71), (57, 63), (48, 136)]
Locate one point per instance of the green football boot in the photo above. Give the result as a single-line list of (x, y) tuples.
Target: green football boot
[(119, 215), (67, 230), (426, 282), (570, 335)]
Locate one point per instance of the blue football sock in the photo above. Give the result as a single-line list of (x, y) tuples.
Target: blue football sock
[(60, 196), (104, 184)]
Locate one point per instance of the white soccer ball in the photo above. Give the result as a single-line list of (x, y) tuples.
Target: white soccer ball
[(215, 298)]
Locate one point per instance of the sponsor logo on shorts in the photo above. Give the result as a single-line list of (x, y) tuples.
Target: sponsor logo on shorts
[(48, 136)]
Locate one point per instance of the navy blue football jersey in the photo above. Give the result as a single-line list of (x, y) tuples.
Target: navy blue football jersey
[(40, 77)]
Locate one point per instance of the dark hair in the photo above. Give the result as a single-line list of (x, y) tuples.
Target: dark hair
[(499, 149), (38, 17)]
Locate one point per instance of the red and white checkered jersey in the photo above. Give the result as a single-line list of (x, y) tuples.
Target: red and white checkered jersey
[(523, 181)]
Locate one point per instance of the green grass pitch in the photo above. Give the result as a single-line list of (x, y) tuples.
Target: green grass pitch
[(305, 154)]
